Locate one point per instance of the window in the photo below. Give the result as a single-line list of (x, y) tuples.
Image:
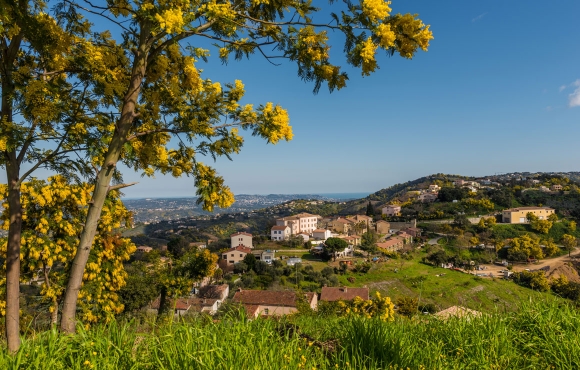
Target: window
[(266, 311), (232, 254), (241, 255)]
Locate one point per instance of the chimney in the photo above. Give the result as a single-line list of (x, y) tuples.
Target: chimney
[(239, 290)]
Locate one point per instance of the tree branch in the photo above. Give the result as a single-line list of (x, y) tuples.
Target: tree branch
[(121, 186), (43, 161)]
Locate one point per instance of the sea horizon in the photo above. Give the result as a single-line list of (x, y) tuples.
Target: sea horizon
[(335, 196)]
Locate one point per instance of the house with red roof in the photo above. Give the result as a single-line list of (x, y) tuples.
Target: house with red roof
[(271, 302)]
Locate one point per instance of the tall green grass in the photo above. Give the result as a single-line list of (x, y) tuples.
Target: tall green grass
[(541, 335), (538, 336)]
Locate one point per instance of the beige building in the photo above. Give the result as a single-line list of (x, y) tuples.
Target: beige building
[(241, 239), (393, 244), (519, 215), (382, 227), (342, 225), (362, 218), (556, 187), (235, 255), (392, 210), (300, 223), (271, 303)]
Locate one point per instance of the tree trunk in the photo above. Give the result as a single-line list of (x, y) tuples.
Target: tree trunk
[(13, 259), (54, 313), (102, 182), (14, 206), (163, 306)]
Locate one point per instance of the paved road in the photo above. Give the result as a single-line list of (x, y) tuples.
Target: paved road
[(434, 240)]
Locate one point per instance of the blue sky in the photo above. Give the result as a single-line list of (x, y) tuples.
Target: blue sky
[(494, 93)]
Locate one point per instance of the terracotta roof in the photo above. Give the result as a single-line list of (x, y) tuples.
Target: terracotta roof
[(240, 233), (266, 297), (412, 229), (184, 304), (239, 249), (304, 215), (527, 209), (197, 304), (330, 294), (389, 243), (213, 291), (279, 227), (457, 311), (309, 296), (361, 216), (319, 231), (251, 309), (343, 221), (392, 206)]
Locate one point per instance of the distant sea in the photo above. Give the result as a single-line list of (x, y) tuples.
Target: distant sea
[(344, 196), (333, 196)]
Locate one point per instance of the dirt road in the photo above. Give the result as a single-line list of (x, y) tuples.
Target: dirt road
[(553, 263)]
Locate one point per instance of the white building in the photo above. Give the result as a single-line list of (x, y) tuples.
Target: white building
[(300, 223), (321, 234), (280, 232), (241, 239)]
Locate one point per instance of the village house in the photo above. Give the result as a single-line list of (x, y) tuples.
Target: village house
[(342, 225), (428, 197), (265, 255), (321, 234), (198, 245), (415, 232), (305, 236), (407, 239), (556, 187), (280, 232), (241, 239), (272, 303), (392, 245), (382, 227), (544, 189), (300, 223), (362, 218), (183, 306), (351, 239), (235, 255), (519, 215), (219, 292), (434, 188), (459, 183), (144, 249), (391, 210), (333, 294)]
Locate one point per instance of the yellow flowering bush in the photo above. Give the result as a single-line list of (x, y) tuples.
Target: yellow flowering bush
[(53, 212)]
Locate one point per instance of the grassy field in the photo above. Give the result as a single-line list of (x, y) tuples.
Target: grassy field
[(442, 287), (539, 335)]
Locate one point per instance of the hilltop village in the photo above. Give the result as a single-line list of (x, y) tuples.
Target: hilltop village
[(455, 227)]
